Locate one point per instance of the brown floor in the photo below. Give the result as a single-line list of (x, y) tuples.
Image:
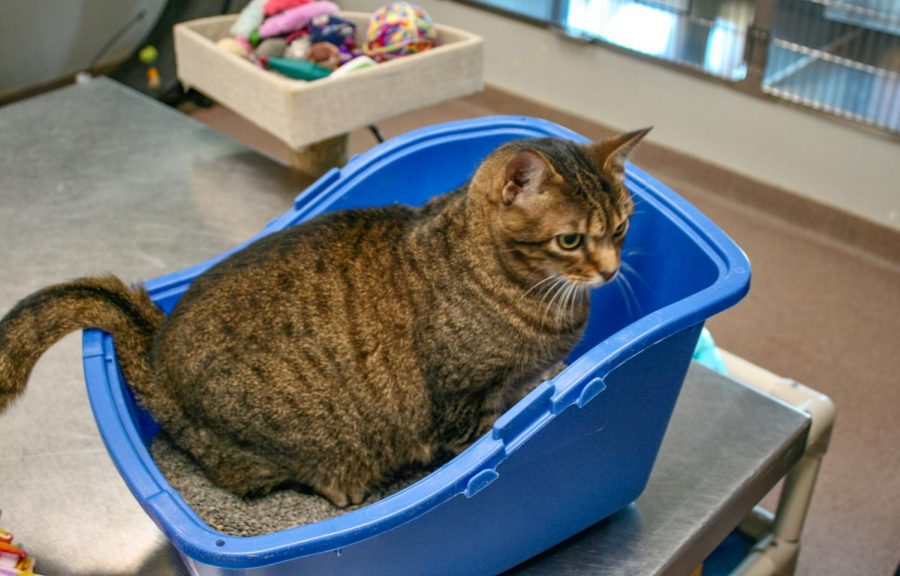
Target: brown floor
[(824, 309)]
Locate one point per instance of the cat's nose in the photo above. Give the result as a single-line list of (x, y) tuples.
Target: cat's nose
[(609, 274)]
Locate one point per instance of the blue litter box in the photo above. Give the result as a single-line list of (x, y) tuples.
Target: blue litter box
[(575, 450)]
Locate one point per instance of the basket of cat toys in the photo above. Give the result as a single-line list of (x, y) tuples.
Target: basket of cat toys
[(464, 347), (306, 71)]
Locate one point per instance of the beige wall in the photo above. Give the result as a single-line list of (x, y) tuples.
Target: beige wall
[(816, 157)]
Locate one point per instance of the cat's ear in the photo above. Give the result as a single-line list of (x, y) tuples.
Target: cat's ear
[(612, 152), (524, 173)]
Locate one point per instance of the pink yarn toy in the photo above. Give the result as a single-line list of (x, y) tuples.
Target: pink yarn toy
[(295, 18), (276, 6)]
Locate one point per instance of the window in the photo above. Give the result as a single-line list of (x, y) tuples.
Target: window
[(708, 35), (837, 56), (842, 57)]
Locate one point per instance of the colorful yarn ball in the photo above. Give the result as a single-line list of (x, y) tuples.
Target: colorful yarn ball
[(399, 29)]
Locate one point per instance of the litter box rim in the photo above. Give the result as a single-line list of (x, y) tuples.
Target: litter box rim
[(472, 470)]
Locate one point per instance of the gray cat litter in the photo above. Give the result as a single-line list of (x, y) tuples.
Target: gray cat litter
[(236, 516)]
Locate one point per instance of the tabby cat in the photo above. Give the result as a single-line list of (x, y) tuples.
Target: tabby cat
[(332, 353)]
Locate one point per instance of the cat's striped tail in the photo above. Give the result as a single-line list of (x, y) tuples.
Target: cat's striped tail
[(41, 319)]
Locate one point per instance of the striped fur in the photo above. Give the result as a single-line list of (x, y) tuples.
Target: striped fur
[(335, 352), (40, 320)]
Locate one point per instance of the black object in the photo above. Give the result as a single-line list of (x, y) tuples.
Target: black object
[(376, 131), (133, 72)]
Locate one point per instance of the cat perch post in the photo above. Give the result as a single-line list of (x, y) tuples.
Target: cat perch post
[(314, 118), (320, 157)]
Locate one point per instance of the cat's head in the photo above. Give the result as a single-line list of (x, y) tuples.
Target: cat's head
[(561, 209)]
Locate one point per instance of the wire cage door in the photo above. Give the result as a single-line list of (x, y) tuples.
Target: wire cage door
[(838, 56)]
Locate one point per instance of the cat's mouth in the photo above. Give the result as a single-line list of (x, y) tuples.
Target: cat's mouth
[(594, 281)]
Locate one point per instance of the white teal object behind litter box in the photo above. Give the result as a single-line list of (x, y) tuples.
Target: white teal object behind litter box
[(575, 450)]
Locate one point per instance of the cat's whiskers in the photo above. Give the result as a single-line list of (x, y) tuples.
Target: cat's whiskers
[(571, 298), (551, 277), (551, 289), (625, 299), (565, 297), (626, 267), (562, 305), (629, 295), (581, 291), (556, 289), (577, 295)]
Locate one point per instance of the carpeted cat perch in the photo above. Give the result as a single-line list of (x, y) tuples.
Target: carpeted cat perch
[(314, 118)]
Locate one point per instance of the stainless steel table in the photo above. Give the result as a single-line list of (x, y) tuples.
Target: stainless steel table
[(95, 178)]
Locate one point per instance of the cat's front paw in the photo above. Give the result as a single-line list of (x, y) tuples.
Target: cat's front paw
[(553, 371), (342, 498)]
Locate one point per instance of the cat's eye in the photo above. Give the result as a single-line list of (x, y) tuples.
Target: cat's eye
[(570, 241), (621, 229)]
